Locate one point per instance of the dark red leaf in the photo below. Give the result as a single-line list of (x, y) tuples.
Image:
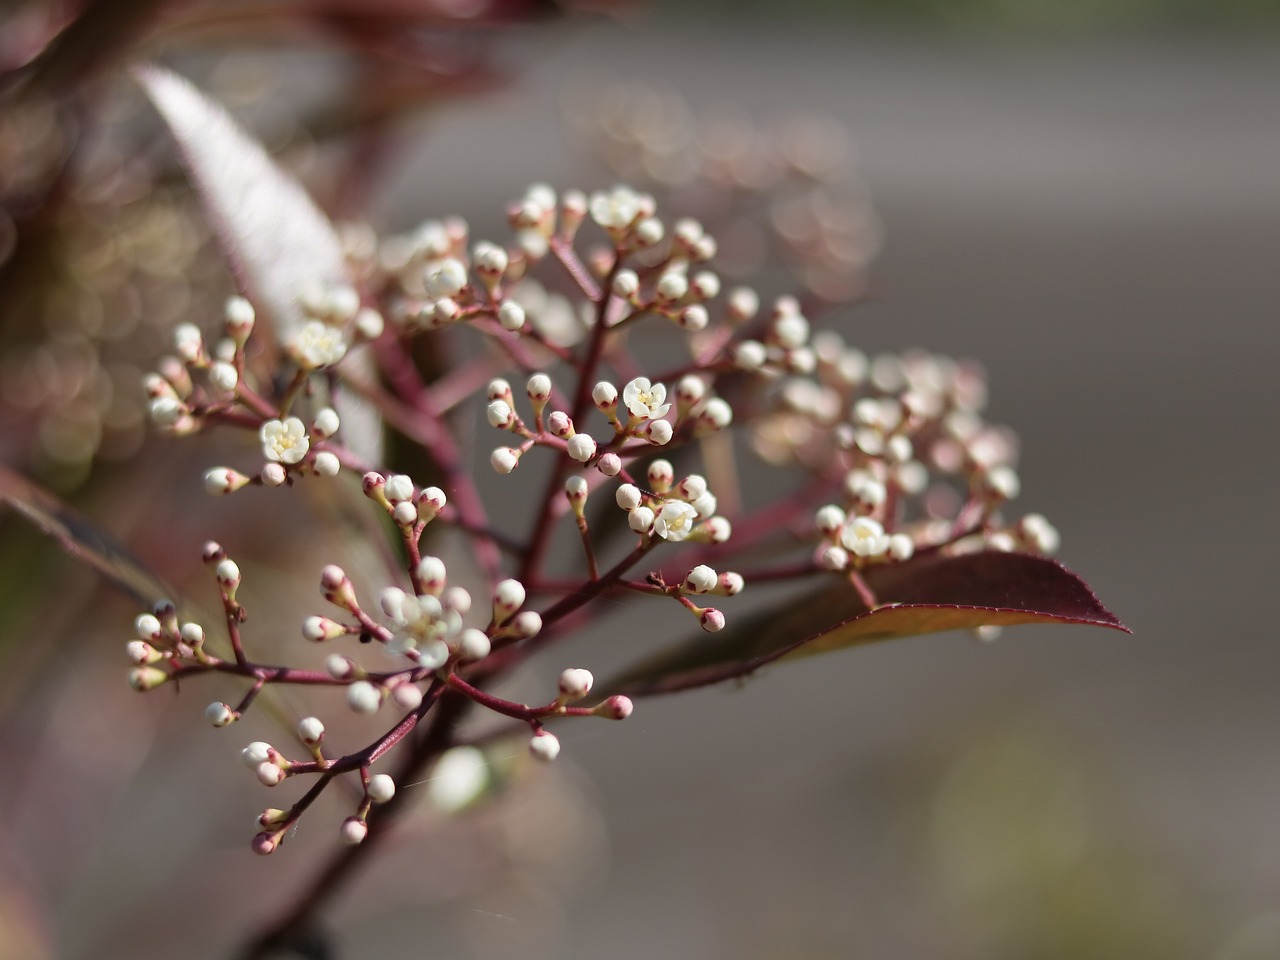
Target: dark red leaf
[(927, 595)]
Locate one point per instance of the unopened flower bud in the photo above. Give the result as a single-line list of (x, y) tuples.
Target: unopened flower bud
[(430, 502), (256, 754), (310, 730), (504, 459), (539, 388), (609, 464), (269, 774), (337, 589), (661, 475), (353, 831), (511, 316), (701, 579), (473, 644), (398, 488), (219, 714), (616, 707), (272, 816), (711, 620), (626, 284), (508, 597), (640, 519), (575, 683), (222, 480), (407, 696), (605, 395), (147, 627), (272, 474), (327, 464), (363, 697), (326, 423), (223, 377), (544, 746), (228, 575), (265, 843), (339, 667), (142, 653), (582, 446), (405, 514), (381, 788)]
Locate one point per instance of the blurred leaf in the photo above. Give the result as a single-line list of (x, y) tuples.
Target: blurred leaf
[(278, 241), (82, 538), (927, 595)]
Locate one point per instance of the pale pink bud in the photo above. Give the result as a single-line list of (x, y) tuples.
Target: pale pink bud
[(353, 831), (269, 774), (616, 707), (712, 620)]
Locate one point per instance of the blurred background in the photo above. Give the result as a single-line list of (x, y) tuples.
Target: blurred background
[(1084, 196)]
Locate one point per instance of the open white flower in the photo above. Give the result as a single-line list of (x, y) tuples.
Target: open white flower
[(864, 537), (284, 441), (645, 401), (675, 521), (318, 345)]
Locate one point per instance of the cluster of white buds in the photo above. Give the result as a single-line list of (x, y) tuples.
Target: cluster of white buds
[(410, 507), (673, 511), (920, 467), (334, 317), (853, 540)]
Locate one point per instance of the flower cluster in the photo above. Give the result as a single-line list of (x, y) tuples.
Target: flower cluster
[(894, 448)]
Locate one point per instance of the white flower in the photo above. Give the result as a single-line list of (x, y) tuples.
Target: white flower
[(645, 401), (675, 521), (864, 537), (617, 209), (318, 345), (284, 441)]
